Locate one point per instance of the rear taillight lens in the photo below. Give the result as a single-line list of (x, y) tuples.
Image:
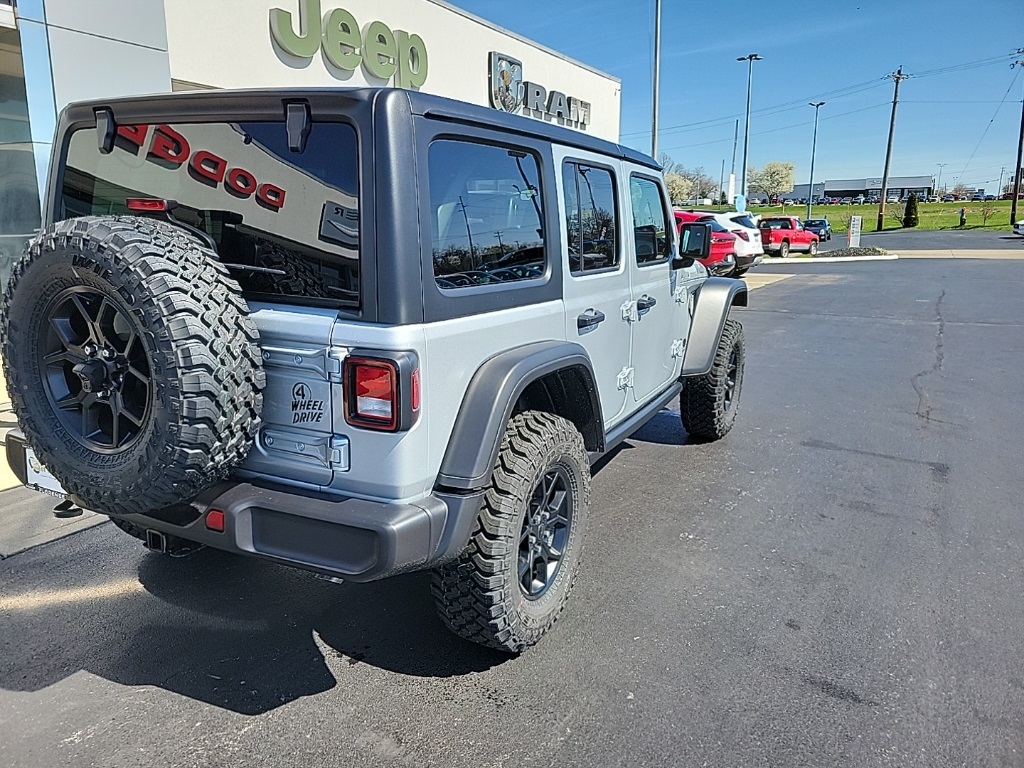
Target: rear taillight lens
[(741, 234), (372, 393), (382, 393)]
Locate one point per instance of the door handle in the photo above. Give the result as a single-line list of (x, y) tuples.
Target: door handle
[(589, 319), (644, 304)]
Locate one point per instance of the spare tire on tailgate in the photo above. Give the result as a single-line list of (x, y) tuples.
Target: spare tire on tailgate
[(132, 362)]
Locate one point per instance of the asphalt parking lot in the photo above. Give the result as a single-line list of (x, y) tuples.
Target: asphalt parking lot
[(909, 240), (835, 584)]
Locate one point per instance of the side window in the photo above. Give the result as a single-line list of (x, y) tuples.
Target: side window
[(590, 218), (485, 214), (650, 235)]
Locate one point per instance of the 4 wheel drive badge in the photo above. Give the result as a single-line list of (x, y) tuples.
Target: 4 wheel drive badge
[(299, 391), (506, 82)]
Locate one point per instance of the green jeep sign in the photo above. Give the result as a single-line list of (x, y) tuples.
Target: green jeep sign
[(382, 52)]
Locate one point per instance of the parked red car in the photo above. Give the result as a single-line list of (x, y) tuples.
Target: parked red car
[(722, 259), (782, 234)]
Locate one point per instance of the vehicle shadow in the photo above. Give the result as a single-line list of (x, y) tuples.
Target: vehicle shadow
[(237, 633), (664, 429)]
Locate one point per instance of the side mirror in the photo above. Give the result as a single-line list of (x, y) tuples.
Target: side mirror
[(694, 243)]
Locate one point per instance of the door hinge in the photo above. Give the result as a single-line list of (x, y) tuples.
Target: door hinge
[(338, 453), (625, 378), (678, 346), (629, 312)]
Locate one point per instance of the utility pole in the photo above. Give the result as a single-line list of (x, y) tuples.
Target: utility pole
[(999, 190), (1020, 152), (898, 77), (814, 143), (721, 185), (750, 58), (657, 78), (735, 141), (939, 182)]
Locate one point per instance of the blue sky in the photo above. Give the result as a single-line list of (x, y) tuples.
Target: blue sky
[(838, 52)]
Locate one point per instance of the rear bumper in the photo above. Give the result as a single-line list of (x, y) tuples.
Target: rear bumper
[(347, 538)]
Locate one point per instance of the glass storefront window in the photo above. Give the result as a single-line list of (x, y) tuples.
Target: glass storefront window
[(19, 193)]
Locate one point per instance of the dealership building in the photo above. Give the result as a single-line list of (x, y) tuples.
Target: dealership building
[(54, 52), (901, 186)]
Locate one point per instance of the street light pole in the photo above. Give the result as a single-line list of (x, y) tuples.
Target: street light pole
[(814, 143), (938, 184), (657, 78), (750, 58)]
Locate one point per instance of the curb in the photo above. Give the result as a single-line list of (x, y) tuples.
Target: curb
[(827, 259)]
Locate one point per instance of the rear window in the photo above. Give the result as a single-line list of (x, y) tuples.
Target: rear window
[(776, 223), (715, 226), (744, 221), (286, 223)]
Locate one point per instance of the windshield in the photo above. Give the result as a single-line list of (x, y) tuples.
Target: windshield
[(286, 223), (815, 223)]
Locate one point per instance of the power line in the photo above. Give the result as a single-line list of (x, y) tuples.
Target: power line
[(992, 120)]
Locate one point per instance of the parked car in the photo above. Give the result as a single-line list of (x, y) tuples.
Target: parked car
[(859, 200), (722, 258), (749, 251), (821, 227), (933, 198), (892, 199), (949, 198), (782, 234), (846, 201), (1018, 228)]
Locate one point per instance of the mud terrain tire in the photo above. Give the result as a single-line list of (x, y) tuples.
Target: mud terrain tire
[(542, 466), (708, 403), (132, 363)]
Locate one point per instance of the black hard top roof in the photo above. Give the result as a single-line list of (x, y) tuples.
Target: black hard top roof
[(233, 104)]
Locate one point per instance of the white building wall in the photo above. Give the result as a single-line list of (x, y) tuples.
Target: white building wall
[(228, 44)]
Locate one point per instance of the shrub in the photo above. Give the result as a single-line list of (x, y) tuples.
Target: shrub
[(910, 216)]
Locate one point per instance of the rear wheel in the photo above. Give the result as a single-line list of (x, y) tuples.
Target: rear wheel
[(813, 248), (784, 249), (512, 581)]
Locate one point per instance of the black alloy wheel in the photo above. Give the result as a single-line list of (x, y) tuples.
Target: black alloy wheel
[(545, 533), (731, 376), (95, 370)]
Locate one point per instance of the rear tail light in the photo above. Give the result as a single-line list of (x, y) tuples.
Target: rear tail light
[(380, 392), (741, 234)]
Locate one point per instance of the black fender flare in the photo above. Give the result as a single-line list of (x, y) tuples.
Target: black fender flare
[(713, 300), (488, 403)]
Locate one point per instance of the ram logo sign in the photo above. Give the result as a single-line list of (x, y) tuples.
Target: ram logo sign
[(510, 93)]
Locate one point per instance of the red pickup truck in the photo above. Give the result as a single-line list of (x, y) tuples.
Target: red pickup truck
[(782, 234)]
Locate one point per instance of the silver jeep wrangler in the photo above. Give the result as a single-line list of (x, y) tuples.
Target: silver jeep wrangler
[(360, 332)]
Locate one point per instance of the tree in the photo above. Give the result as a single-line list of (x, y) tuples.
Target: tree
[(988, 210), (703, 184), (668, 165), (910, 215), (960, 190), (772, 180), (680, 189), (895, 211)]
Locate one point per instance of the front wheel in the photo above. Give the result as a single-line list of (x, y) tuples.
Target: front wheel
[(512, 581), (784, 249), (708, 403), (813, 248)]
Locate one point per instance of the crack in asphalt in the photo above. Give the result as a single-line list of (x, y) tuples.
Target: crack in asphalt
[(924, 408)]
